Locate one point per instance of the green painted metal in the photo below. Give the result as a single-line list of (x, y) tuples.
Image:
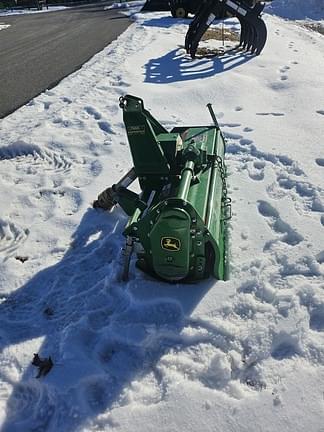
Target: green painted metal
[(179, 219), (170, 244)]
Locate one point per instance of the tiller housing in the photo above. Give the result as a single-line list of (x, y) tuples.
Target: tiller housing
[(177, 222)]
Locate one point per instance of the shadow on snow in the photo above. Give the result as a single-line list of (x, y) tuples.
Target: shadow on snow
[(102, 334), (175, 66), (165, 22)]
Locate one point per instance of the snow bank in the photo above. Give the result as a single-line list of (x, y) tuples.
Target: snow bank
[(126, 5)]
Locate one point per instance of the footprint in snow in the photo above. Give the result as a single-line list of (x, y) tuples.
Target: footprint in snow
[(47, 105), (93, 112), (274, 114), (230, 125), (66, 100), (278, 85), (11, 237), (320, 162), (304, 190), (259, 164), (316, 318), (284, 69), (290, 236), (107, 142), (105, 127), (320, 112), (119, 82), (320, 257), (284, 350), (245, 141), (24, 405), (256, 170)]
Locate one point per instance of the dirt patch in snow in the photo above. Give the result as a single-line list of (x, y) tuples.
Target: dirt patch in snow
[(221, 34), (218, 34)]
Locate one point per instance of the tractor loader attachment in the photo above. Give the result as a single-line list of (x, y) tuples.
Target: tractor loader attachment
[(177, 223), (253, 29)]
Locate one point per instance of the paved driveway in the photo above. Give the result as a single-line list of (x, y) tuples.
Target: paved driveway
[(38, 50)]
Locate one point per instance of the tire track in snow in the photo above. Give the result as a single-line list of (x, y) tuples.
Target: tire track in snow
[(53, 177), (21, 152)]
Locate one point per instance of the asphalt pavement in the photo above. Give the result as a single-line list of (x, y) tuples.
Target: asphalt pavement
[(38, 50)]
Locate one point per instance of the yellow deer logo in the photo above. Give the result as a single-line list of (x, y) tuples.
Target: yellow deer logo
[(170, 244)]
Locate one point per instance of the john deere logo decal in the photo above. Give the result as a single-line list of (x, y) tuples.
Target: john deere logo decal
[(170, 243)]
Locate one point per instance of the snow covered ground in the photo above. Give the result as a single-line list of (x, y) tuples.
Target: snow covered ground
[(242, 355)]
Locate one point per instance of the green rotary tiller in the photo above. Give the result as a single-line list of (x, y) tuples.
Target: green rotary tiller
[(177, 224)]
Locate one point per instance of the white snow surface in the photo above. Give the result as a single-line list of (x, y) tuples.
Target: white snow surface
[(242, 355), (126, 5)]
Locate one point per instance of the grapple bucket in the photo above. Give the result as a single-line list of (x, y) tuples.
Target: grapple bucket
[(178, 220), (253, 29)]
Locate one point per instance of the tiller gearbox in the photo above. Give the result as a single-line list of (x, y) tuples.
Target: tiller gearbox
[(177, 223)]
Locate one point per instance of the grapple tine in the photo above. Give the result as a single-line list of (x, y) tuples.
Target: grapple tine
[(195, 38), (193, 27), (243, 32), (191, 31), (252, 38), (261, 37), (257, 31), (197, 28), (253, 30), (255, 36)]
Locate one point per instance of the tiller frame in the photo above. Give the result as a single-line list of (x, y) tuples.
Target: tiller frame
[(177, 224)]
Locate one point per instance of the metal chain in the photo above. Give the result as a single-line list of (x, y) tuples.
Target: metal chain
[(222, 170)]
